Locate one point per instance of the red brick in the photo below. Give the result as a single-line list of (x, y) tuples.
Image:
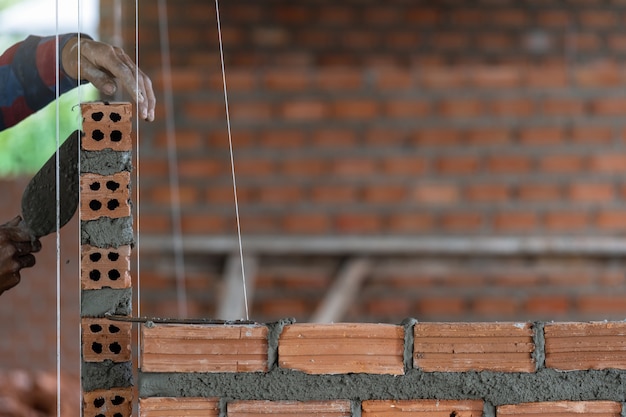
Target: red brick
[(390, 308), (510, 17), (178, 407), (616, 41), (250, 111), (336, 14), (281, 139), (487, 192), (581, 346), (511, 164), (308, 167), (441, 307), (252, 167), (355, 109), (404, 165), (547, 306), (385, 193), (104, 195), (353, 167), (598, 74), (586, 42), (182, 79), (280, 194), (499, 77), (588, 192), (102, 268), (333, 193), (183, 140), (437, 193), (394, 79), (598, 19), (423, 16), (204, 348), (567, 220), (601, 306), (468, 16), (236, 80), (565, 408), (609, 163), (438, 137), (333, 138), (547, 76), (342, 348), (447, 40), (255, 408), (520, 221), (495, 41), (562, 107), (338, 79), (442, 77), (116, 401), (592, 134), (240, 139), (103, 339), (411, 222), (359, 223), (204, 110), (354, 39), (539, 192), (286, 80), (464, 164), (608, 106), (202, 168), (611, 220), (561, 163), (555, 18), (404, 108), (155, 223), (223, 194), (495, 308), (421, 408), (304, 110), (461, 108), (187, 195), (459, 347), (489, 136), (462, 221), (315, 223), (542, 135), (204, 223)]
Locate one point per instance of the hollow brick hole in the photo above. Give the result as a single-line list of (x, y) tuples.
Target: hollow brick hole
[(97, 135), (112, 185), (113, 256), (96, 347), (95, 257), (97, 116), (113, 329), (114, 275), (94, 275), (95, 328), (98, 402), (94, 186), (100, 415), (113, 204), (95, 205), (118, 400), (116, 136), (115, 348), (115, 117)]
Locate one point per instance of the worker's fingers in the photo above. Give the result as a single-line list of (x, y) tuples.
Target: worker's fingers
[(14, 222), (23, 248), (26, 261), (9, 280)]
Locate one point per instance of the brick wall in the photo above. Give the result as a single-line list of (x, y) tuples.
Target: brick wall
[(417, 368), (403, 120)]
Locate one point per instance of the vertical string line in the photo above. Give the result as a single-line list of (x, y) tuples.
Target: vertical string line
[(175, 213), (79, 123), (232, 159), (137, 200), (58, 215)]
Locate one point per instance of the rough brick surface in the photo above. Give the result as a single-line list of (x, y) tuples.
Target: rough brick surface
[(116, 402), (422, 408), (458, 347), (204, 348), (105, 268), (331, 408), (107, 126), (104, 339), (342, 348), (105, 195), (577, 346), (178, 407), (565, 408)]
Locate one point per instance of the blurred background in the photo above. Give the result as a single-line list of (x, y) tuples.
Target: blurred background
[(444, 160)]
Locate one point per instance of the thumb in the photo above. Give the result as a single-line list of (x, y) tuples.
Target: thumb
[(14, 222)]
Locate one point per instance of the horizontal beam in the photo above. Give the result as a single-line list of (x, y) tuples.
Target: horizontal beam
[(394, 245)]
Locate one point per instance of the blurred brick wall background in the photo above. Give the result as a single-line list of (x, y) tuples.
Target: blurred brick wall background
[(402, 119)]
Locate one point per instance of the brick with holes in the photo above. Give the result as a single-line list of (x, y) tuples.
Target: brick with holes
[(104, 195), (110, 402), (105, 268), (104, 339), (107, 126)]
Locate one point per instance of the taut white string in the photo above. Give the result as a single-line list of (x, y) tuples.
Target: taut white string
[(137, 241), (179, 261), (232, 159)]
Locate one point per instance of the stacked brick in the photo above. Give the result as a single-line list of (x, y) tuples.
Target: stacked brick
[(106, 238), (413, 369)]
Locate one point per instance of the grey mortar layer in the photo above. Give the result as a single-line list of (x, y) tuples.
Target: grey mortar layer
[(105, 162), (106, 232), (106, 375), (496, 388), (98, 303)]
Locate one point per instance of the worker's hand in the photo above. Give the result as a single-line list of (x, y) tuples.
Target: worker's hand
[(104, 66), (16, 252)]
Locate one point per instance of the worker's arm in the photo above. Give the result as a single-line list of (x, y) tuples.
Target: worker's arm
[(16, 252)]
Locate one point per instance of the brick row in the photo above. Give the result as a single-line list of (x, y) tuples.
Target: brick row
[(116, 402)]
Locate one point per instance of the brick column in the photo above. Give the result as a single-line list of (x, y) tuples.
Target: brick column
[(106, 239)]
